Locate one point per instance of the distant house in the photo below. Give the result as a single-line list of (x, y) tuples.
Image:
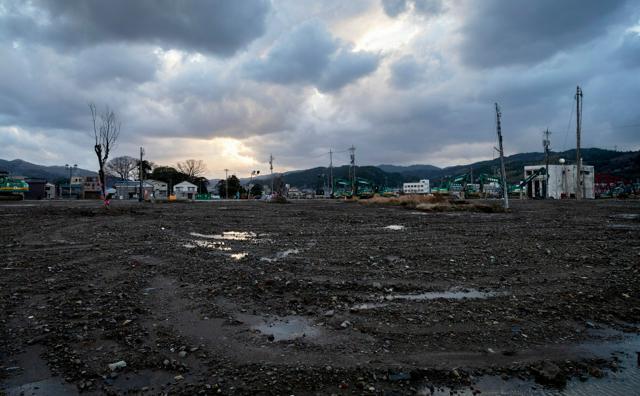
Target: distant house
[(185, 190), (50, 191), (129, 189), (37, 189), (421, 187), (91, 187), (160, 190)]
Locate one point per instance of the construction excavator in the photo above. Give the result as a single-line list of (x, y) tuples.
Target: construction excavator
[(521, 187), (343, 188), (11, 188)]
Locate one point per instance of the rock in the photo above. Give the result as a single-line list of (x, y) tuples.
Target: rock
[(330, 313), (377, 285), (549, 373), (178, 377), (182, 354), (117, 365), (345, 324)]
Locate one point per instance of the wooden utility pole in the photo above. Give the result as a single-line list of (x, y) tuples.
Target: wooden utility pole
[(140, 167), (505, 188), (352, 173), (226, 183), (331, 170), (578, 159), (271, 169), (546, 142)]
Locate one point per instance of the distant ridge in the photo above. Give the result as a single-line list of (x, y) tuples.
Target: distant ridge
[(618, 163), (18, 167)]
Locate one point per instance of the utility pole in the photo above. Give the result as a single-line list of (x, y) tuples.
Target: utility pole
[(226, 183), (578, 159), (331, 170), (271, 170), (546, 143), (352, 170), (140, 174), (505, 189)]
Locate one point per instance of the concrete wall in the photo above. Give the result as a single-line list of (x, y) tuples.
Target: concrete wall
[(562, 180)]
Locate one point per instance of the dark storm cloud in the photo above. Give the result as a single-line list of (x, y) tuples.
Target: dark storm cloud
[(629, 51), (114, 63), (499, 33), (405, 72), (309, 54), (394, 8), (347, 66), (216, 27)]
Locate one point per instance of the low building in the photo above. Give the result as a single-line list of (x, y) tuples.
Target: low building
[(130, 189), (37, 189), (50, 191), (91, 187), (421, 187), (562, 181), (185, 190), (160, 189)]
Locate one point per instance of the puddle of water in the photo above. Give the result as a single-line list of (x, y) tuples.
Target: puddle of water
[(626, 216), (625, 381), (215, 245), (239, 256), (227, 235), (282, 328), (394, 227), (280, 255), (366, 306), (46, 387), (447, 295), (624, 226)]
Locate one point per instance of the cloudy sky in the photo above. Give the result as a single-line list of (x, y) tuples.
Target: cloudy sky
[(229, 82)]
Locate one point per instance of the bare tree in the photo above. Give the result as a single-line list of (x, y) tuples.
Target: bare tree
[(122, 167), (192, 168), (106, 129)]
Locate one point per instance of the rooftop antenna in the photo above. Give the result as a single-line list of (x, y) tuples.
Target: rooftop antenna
[(505, 191)]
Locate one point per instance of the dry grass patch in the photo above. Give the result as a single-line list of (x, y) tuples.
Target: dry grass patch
[(434, 203)]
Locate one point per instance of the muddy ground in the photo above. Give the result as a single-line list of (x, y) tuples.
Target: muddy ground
[(311, 297)]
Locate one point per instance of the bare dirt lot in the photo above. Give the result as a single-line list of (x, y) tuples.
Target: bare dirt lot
[(314, 297)]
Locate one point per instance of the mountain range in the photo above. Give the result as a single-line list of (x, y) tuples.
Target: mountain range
[(18, 167), (624, 164)]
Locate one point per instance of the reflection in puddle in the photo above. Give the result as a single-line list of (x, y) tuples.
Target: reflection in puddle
[(239, 256), (227, 235), (366, 306), (626, 216), (47, 387), (394, 227), (624, 226), (216, 245), (448, 295), (624, 381), (280, 255), (287, 328)]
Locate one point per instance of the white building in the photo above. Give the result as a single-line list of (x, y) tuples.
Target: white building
[(185, 190), (160, 190), (562, 181), (422, 187)]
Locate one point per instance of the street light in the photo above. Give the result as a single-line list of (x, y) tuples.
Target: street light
[(70, 169), (253, 173)]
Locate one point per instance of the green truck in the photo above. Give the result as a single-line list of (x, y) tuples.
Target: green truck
[(11, 188)]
